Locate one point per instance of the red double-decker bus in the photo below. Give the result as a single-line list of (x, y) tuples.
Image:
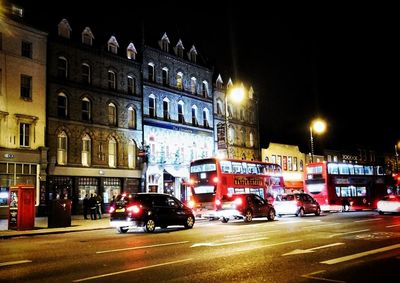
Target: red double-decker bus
[(212, 178), (345, 186)]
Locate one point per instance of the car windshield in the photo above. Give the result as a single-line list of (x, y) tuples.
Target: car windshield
[(285, 197)]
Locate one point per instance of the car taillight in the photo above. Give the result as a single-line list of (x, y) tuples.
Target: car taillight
[(217, 202), (134, 209), (238, 201), (111, 209)]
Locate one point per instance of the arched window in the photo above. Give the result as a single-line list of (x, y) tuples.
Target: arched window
[(86, 109), (165, 79), (112, 80), (231, 135), (151, 74), (193, 54), (204, 89), (179, 80), (62, 67), (62, 143), (86, 149), (166, 109), (62, 105), (243, 136), (112, 153), (193, 85), (152, 105), (112, 114), (86, 73), (251, 138), (131, 82), (131, 51), (131, 154), (113, 45), (194, 115), (205, 118), (181, 114), (131, 118), (219, 107)]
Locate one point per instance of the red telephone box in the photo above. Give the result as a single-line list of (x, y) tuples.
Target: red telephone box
[(21, 214)]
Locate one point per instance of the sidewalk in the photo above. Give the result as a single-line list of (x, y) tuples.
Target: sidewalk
[(77, 224)]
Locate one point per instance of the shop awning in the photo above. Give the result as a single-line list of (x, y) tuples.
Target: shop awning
[(180, 172)]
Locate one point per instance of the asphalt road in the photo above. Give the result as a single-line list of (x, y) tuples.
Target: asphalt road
[(338, 247)]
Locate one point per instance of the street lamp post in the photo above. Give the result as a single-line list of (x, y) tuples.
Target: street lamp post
[(236, 94), (318, 126)]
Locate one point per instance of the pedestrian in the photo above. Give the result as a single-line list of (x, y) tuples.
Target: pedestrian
[(98, 205), (86, 206), (92, 205)]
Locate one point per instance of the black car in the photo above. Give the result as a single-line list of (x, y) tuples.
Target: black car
[(246, 206), (149, 210)]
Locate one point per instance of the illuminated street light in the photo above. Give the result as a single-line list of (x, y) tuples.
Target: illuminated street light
[(236, 94), (318, 126)]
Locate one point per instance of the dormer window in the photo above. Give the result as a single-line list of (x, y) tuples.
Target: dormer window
[(251, 93), (219, 82), (113, 45), (179, 49), (87, 36), (131, 51), (64, 29), (193, 54), (165, 43)]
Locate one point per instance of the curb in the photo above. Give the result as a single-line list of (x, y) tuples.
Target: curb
[(38, 232)]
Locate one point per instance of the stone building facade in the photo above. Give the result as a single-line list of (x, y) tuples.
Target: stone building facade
[(177, 114), (94, 107)]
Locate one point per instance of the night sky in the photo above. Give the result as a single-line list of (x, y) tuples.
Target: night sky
[(339, 62)]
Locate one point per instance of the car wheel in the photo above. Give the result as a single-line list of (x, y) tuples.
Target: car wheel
[(300, 213), (150, 225), (318, 212), (271, 214), (122, 230), (189, 222), (248, 216), (279, 215), (224, 220), (346, 207)]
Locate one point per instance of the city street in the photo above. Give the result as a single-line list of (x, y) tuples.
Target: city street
[(334, 247)]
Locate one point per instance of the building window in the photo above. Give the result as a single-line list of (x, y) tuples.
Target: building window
[(24, 134), (166, 109), (243, 135), (64, 29), (181, 117), (62, 148), (152, 106), (231, 135), (194, 115), (131, 51), (230, 111), (131, 82), (62, 67), (26, 87), (86, 149), (150, 69), (26, 49), (241, 114), (111, 80), (165, 79), (112, 153), (180, 51), (205, 118), (219, 107), (62, 109), (86, 73), (112, 114), (193, 85), (87, 36), (86, 109), (294, 163), (131, 118), (179, 80), (289, 163), (113, 45), (204, 89), (131, 154), (251, 138)]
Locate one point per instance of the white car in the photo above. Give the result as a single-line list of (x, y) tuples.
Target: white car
[(390, 204), (298, 204)]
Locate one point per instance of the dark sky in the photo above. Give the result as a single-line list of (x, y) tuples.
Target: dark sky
[(336, 61)]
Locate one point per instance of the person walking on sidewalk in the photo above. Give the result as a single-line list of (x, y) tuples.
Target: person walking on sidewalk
[(93, 207), (86, 206), (98, 205)]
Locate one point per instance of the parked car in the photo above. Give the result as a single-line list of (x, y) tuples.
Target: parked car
[(245, 206), (149, 210), (298, 204), (389, 204)]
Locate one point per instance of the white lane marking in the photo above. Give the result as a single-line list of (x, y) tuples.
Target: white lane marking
[(310, 275), (358, 255), (142, 247), (270, 245), (320, 225), (14, 262), (391, 226), (288, 222), (299, 251), (131, 270), (345, 233), (211, 244), (250, 234), (367, 220)]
